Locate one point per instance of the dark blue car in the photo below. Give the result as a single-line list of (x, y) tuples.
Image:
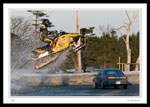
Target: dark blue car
[(110, 77)]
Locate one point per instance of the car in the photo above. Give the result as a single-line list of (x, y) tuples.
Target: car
[(110, 77)]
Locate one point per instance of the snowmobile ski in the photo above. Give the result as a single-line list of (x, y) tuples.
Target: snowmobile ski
[(76, 49), (41, 56), (46, 60)]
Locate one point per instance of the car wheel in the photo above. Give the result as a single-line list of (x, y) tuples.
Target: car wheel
[(94, 85), (125, 86), (102, 85)]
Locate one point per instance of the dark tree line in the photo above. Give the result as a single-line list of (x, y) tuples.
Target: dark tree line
[(104, 52)]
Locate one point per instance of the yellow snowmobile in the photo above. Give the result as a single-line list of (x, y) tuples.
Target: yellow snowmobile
[(47, 54)]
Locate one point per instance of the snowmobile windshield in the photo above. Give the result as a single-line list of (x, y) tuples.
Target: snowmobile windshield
[(63, 32), (50, 25)]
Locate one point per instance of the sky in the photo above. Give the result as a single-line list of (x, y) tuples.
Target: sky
[(65, 19)]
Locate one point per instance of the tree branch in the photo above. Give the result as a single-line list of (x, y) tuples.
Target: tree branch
[(126, 23), (128, 16), (122, 36), (123, 26), (134, 16)]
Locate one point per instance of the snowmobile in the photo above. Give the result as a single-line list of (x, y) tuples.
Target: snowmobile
[(49, 53)]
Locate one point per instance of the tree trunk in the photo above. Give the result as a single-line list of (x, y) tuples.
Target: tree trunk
[(128, 51), (128, 59), (104, 65), (137, 64)]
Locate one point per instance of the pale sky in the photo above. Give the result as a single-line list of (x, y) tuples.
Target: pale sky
[(65, 19)]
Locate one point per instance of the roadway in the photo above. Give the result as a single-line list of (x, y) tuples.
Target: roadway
[(132, 90)]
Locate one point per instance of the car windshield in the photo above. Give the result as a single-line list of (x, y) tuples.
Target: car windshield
[(113, 72)]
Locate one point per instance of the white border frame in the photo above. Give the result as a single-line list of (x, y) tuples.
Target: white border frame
[(95, 99)]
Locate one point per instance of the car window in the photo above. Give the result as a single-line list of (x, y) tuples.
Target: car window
[(113, 72), (100, 73)]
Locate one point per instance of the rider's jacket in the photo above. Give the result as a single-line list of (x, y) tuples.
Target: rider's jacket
[(44, 34)]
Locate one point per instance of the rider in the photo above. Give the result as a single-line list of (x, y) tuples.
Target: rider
[(45, 35)]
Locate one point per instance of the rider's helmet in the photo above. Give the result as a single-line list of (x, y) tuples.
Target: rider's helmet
[(47, 23)]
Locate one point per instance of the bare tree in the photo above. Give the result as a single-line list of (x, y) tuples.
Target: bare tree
[(127, 27), (104, 29), (137, 64), (26, 28), (15, 24), (21, 26)]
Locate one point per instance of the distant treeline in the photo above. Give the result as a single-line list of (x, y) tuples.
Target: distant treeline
[(104, 52)]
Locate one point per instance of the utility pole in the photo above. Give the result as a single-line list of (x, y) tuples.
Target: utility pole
[(37, 14), (79, 52)]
